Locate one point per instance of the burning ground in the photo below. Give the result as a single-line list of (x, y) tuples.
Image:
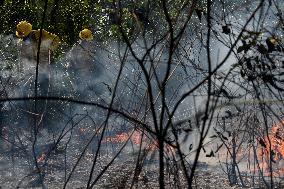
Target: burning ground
[(148, 112)]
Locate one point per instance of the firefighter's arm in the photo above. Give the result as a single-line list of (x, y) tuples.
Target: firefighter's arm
[(47, 36)]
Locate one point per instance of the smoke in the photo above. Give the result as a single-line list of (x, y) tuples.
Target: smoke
[(88, 71)]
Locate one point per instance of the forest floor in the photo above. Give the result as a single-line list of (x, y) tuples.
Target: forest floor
[(118, 176)]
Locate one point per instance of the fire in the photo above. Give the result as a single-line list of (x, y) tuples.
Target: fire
[(41, 158), (275, 151), (82, 130), (136, 139), (122, 137)]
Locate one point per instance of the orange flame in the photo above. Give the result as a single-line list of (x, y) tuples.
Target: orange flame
[(275, 150), (41, 158), (136, 140)]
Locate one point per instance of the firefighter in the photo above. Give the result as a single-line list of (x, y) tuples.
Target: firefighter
[(29, 48), (30, 40), (82, 62), (83, 53)]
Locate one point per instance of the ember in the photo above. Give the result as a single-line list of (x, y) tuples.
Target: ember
[(135, 138), (41, 158)]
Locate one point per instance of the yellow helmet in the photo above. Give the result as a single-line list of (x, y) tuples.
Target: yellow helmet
[(23, 29), (86, 34)]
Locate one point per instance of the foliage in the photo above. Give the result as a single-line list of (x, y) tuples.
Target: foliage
[(68, 17)]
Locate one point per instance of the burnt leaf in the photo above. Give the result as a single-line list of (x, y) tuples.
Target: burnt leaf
[(211, 154), (190, 147), (108, 87), (253, 42), (262, 49), (240, 49), (229, 133), (245, 47), (279, 48), (278, 135), (189, 129), (251, 78), (253, 33), (226, 29), (271, 80), (224, 137), (199, 13), (262, 143), (213, 136), (233, 65), (242, 73), (249, 65), (224, 92), (272, 156), (228, 114), (267, 78)]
